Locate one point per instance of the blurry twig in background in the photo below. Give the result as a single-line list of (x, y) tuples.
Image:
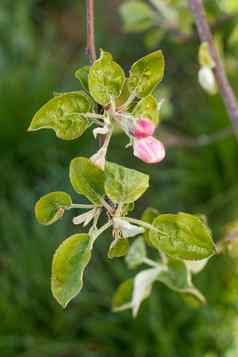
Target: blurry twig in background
[(90, 50), (172, 139), (225, 88)]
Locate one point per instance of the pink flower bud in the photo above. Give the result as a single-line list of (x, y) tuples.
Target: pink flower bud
[(149, 150), (142, 128)]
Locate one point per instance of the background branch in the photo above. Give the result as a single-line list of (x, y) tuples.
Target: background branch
[(90, 49), (225, 88)]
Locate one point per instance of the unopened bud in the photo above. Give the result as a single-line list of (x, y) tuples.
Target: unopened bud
[(207, 80), (149, 150)]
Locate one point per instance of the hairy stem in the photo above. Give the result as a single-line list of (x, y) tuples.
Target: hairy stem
[(90, 50), (97, 233), (81, 206), (225, 88), (144, 225)]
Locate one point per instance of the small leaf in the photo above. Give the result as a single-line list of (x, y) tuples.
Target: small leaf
[(204, 56), (148, 108), (142, 287), (63, 114), (87, 179), (122, 297), (177, 278), (137, 16), (182, 236), (69, 263), (50, 208), (118, 248), (124, 185), (193, 297), (82, 75), (136, 254), (148, 216), (146, 74), (106, 79)]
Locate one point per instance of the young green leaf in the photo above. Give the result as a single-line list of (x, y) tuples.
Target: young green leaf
[(64, 114), (82, 75), (137, 16), (87, 179), (177, 278), (122, 297), (148, 216), (118, 248), (50, 207), (106, 79), (124, 185), (182, 236), (146, 74), (136, 253), (69, 263), (124, 95), (148, 108)]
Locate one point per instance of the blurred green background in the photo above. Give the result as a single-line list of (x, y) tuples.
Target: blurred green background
[(41, 44)]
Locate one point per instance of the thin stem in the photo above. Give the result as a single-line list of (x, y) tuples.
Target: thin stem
[(107, 206), (144, 224), (97, 233), (81, 206), (225, 88), (90, 50), (128, 102), (150, 262)]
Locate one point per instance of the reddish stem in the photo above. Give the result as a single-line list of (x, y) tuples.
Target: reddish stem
[(90, 49), (225, 88)]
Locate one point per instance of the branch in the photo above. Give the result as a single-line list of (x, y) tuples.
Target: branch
[(225, 88), (90, 49)]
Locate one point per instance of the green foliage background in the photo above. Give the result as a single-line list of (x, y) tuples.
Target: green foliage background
[(41, 44)]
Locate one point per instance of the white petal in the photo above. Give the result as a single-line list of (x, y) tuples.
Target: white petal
[(84, 217), (128, 230)]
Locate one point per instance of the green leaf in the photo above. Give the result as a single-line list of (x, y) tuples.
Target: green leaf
[(82, 75), (118, 248), (148, 216), (147, 107), (50, 207), (182, 236), (69, 263), (106, 79), (146, 74), (177, 278), (137, 16), (122, 297), (123, 96), (136, 254), (124, 185), (63, 114), (87, 179)]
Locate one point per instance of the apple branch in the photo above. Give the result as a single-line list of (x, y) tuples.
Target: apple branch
[(225, 88)]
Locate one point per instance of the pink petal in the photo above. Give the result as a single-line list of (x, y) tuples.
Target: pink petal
[(149, 150), (143, 127)]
